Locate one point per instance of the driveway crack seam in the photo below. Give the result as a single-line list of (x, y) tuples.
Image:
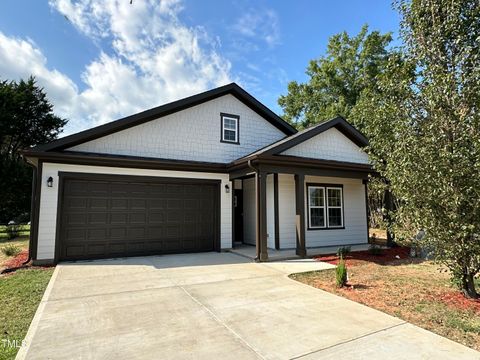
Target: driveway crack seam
[(217, 319), (348, 341)]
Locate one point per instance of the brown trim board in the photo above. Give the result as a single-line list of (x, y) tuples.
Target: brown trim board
[(276, 211)]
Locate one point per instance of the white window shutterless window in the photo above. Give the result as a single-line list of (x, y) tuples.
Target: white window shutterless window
[(316, 207), (335, 207), (325, 207), (230, 128)]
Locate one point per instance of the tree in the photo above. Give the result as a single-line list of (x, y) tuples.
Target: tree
[(337, 80), (26, 119), (425, 123)]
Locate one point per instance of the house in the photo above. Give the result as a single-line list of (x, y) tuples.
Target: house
[(199, 174)]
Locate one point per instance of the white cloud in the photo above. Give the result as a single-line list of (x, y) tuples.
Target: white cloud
[(260, 25), (150, 58), (21, 58)]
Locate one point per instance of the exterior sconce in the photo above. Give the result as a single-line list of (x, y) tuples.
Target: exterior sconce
[(50, 182), (227, 188)]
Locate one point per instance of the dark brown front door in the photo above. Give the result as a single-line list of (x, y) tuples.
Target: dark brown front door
[(238, 213), (105, 216)]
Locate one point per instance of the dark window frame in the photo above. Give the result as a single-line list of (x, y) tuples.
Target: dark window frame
[(325, 187), (230, 116)]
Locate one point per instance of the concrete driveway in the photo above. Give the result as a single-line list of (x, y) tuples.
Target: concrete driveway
[(213, 306)]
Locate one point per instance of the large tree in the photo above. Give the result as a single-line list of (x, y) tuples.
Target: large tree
[(425, 123), (26, 119), (337, 80)]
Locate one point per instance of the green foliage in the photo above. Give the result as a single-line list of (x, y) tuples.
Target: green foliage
[(341, 273), (11, 250), (343, 251), (12, 231), (375, 250), (424, 130), (26, 119), (337, 80)]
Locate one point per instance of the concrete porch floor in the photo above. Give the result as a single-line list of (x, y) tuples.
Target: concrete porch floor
[(249, 251)]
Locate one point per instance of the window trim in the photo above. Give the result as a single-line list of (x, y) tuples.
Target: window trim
[(325, 187), (324, 207), (237, 130)]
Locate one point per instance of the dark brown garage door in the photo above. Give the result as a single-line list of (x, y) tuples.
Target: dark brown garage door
[(105, 216)]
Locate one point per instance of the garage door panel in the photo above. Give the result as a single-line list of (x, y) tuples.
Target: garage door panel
[(156, 217), (118, 233), (76, 203), (118, 218), (138, 218), (118, 204), (112, 216), (76, 219), (98, 218), (98, 204), (95, 249)]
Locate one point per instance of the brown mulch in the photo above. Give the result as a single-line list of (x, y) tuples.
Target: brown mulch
[(456, 300), (18, 262), (360, 257)]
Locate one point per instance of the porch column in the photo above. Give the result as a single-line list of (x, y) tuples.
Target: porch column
[(261, 215), (300, 211)]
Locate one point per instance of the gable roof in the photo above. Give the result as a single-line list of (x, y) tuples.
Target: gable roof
[(284, 144), (163, 110)]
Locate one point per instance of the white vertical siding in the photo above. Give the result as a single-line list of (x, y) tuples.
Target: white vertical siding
[(249, 211), (286, 211), (49, 197), (329, 145), (355, 215)]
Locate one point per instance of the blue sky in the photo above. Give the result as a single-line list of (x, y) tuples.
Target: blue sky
[(101, 60)]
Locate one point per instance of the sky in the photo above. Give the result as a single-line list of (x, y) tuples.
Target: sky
[(100, 60)]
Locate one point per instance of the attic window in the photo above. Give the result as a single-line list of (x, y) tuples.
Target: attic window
[(230, 128)]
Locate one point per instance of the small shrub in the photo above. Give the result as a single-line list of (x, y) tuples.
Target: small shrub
[(12, 231), (375, 250), (344, 251), (11, 250), (341, 272)]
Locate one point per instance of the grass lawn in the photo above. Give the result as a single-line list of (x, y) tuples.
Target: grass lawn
[(410, 289), (20, 294), (24, 230)]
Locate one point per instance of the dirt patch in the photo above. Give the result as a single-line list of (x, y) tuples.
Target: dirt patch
[(411, 289)]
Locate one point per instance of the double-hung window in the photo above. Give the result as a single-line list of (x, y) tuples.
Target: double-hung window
[(325, 206), (230, 126)]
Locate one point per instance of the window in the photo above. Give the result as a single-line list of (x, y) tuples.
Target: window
[(230, 128), (325, 207)]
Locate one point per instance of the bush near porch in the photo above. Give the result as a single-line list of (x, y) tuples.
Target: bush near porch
[(414, 290)]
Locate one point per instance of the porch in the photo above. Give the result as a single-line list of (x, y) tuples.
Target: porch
[(250, 252)]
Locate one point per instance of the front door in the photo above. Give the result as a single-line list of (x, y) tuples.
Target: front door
[(238, 214)]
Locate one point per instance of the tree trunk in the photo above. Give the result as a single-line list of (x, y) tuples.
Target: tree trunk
[(468, 286), (388, 200)]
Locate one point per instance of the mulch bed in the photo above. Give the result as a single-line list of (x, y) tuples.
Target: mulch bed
[(456, 300), (358, 257), (18, 263)]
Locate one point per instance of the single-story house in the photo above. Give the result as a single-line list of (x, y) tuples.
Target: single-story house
[(198, 174)]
